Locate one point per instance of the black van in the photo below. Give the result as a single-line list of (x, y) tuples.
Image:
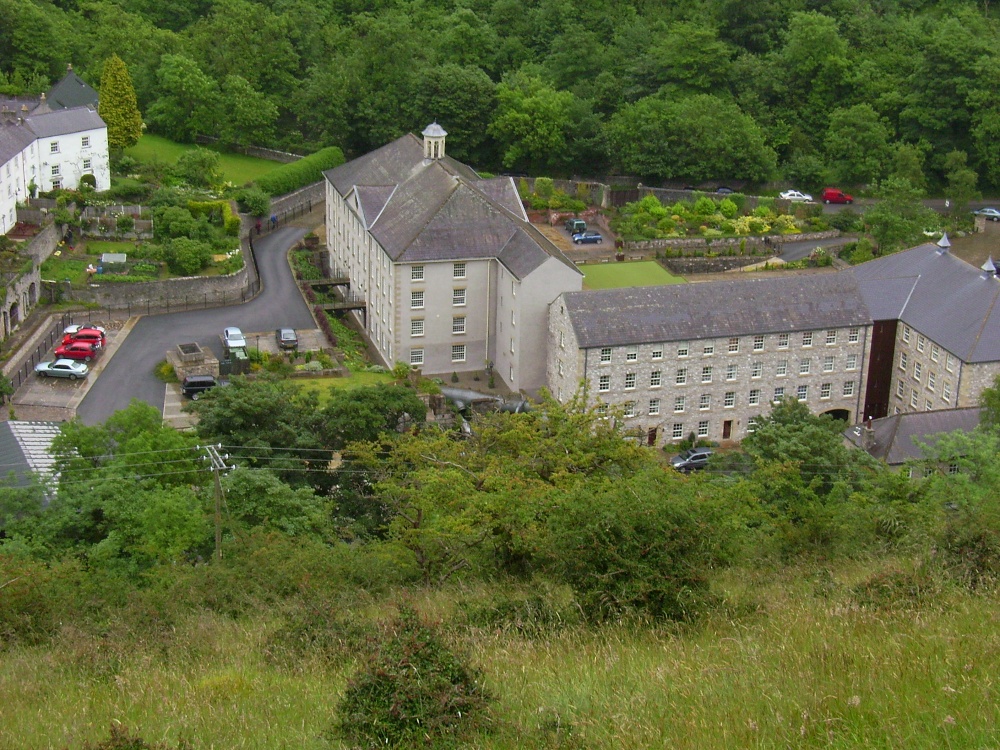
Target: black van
[(194, 385)]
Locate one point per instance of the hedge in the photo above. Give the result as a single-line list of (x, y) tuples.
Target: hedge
[(290, 177), (223, 208)]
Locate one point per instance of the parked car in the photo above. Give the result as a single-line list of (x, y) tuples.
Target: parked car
[(287, 338), (194, 385), (94, 336), (692, 459), (62, 368), (233, 338), (75, 328), (990, 213), (588, 238), (795, 196), (833, 195), (575, 226), (84, 350), (723, 190)]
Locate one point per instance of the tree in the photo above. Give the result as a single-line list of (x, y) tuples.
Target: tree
[(186, 99), (908, 163), (989, 402), (899, 217), (199, 167), (118, 107), (245, 115), (857, 144), (962, 183), (365, 414)]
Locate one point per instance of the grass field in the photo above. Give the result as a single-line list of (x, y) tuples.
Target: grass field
[(323, 386), (236, 168), (617, 275)]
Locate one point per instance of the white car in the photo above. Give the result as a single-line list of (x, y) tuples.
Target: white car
[(795, 196), (234, 339), (75, 329)]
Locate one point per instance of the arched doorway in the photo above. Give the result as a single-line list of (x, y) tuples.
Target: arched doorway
[(844, 415), (32, 295), (14, 316)]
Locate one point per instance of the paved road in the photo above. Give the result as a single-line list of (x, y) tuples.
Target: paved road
[(129, 374), (792, 251), (937, 204)]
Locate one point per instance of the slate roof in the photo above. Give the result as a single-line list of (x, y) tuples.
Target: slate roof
[(895, 436), (24, 448), (64, 121), (938, 294), (71, 91), (421, 209), (14, 138), (679, 312)]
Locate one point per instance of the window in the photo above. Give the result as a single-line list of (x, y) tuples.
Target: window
[(458, 353), (679, 404), (917, 371), (606, 354), (853, 335), (655, 379), (931, 380), (807, 338), (458, 297), (458, 271), (705, 401), (683, 350), (802, 392), (914, 399), (953, 468), (416, 273), (85, 141), (682, 376), (631, 353), (629, 381), (458, 324), (831, 338), (928, 405), (57, 184), (604, 383), (732, 371), (902, 360), (734, 345), (602, 409), (848, 387), (417, 300), (935, 352), (416, 356), (782, 340), (852, 362), (804, 366), (654, 406), (758, 343), (88, 164), (730, 400), (921, 343), (782, 368), (708, 349), (757, 369), (657, 352), (706, 374), (825, 390), (906, 334), (678, 431), (949, 362), (946, 391), (416, 327), (900, 388), (752, 424), (630, 408), (754, 398), (703, 428), (55, 170), (828, 363), (54, 147), (779, 393)]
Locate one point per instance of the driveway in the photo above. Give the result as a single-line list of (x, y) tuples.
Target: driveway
[(129, 373)]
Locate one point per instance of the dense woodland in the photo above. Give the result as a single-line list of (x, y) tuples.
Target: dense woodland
[(803, 91)]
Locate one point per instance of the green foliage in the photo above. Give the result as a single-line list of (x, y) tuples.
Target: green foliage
[(411, 689), (366, 414), (121, 739), (118, 106), (199, 167), (254, 201), (186, 256), (862, 253), (899, 217), (290, 177)]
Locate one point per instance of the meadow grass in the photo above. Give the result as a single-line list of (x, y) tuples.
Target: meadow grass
[(803, 670), (323, 386), (637, 273), (236, 168)]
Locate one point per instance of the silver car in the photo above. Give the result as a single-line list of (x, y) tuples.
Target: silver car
[(62, 368), (233, 338)]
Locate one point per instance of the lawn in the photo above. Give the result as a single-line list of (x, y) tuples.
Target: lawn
[(322, 386), (617, 275), (236, 168)]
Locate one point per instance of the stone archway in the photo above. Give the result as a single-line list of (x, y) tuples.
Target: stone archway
[(14, 315), (32, 295), (844, 415)]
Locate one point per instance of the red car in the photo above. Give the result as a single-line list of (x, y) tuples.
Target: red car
[(91, 335), (84, 350)]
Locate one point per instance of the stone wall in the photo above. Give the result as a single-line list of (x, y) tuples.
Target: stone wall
[(698, 245), (261, 153), (685, 266), (193, 291)]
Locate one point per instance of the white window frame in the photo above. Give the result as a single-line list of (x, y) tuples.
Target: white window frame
[(757, 370), (807, 339), (802, 392), (781, 368), (684, 350), (848, 388), (677, 431), (708, 350), (782, 340), (657, 352), (654, 407), (630, 381), (779, 394), (681, 377), (825, 390), (805, 366), (631, 353), (605, 355), (852, 362), (458, 271), (733, 347), (655, 378), (705, 402), (853, 335), (416, 273), (603, 383), (417, 299), (732, 371), (417, 327), (758, 343), (416, 357), (729, 401), (680, 403), (85, 141), (703, 428), (458, 297), (753, 399), (706, 374), (458, 324), (458, 352)]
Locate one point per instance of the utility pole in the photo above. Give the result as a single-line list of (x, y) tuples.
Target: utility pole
[(218, 466)]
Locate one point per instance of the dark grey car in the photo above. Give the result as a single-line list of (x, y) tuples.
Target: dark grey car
[(691, 459), (286, 338)]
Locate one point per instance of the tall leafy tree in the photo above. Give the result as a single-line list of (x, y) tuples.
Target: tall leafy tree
[(186, 103), (962, 182), (857, 144), (899, 216), (118, 107)]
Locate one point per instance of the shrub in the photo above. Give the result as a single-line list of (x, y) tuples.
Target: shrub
[(89, 180), (186, 256), (544, 187), (411, 690), (125, 224), (728, 208), (165, 372), (199, 167), (862, 253), (290, 177), (254, 201), (846, 221), (704, 206)]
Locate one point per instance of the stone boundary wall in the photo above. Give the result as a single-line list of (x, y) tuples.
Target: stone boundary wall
[(40, 246), (687, 266), (207, 291), (310, 194), (270, 154), (723, 244)]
